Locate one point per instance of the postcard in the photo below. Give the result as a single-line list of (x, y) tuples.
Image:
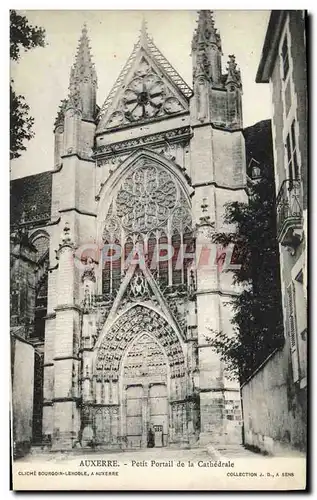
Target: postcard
[(158, 250)]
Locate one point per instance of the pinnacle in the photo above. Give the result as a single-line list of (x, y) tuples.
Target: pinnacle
[(144, 26), (143, 39), (84, 30), (83, 66), (206, 31), (206, 15), (233, 73), (232, 61)]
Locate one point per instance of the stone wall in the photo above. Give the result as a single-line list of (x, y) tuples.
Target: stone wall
[(274, 409), (22, 395)]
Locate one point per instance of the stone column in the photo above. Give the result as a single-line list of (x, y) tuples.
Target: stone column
[(124, 418), (190, 422), (66, 360), (98, 390), (106, 391), (114, 411), (86, 385), (185, 423), (172, 424), (145, 416)]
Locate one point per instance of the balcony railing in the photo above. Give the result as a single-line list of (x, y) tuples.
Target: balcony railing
[(290, 213)]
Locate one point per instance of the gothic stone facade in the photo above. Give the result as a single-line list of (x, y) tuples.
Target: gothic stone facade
[(126, 343)]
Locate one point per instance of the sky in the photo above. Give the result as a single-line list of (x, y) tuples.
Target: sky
[(42, 74)]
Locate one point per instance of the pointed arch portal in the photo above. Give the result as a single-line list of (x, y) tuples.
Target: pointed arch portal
[(140, 382), (136, 320)]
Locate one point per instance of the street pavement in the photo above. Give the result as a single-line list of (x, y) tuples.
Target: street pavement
[(163, 454), (221, 452)]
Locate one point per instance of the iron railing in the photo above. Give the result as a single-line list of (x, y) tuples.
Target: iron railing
[(289, 209)]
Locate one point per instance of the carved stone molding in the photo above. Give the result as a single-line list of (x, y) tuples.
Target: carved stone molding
[(181, 134), (137, 320)]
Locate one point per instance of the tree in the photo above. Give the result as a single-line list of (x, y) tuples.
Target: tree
[(20, 123), (257, 320), (23, 36)]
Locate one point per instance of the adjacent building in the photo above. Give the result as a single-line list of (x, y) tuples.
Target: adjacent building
[(278, 391)]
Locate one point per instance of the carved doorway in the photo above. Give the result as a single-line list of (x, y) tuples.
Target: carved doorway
[(145, 394)]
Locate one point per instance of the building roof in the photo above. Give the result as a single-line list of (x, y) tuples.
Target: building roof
[(30, 199), (270, 46), (145, 43)]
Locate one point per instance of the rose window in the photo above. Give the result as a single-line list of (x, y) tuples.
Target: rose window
[(146, 199), (144, 97), (149, 209)]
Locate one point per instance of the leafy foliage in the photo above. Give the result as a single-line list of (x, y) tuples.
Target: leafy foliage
[(20, 124), (22, 36), (257, 319)]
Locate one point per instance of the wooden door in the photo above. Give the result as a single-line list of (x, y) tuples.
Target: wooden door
[(134, 401)]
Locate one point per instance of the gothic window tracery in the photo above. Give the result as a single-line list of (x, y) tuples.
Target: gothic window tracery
[(146, 96), (116, 270), (111, 270), (162, 261), (148, 213), (176, 243), (41, 244), (146, 198), (40, 307), (189, 247), (40, 240)]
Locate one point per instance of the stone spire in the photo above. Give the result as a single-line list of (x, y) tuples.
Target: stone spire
[(83, 79), (206, 48), (143, 33), (206, 31), (83, 68)]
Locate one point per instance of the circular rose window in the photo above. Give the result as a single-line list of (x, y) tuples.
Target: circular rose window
[(144, 97), (146, 199)]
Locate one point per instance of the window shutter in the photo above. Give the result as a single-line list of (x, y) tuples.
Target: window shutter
[(292, 331)]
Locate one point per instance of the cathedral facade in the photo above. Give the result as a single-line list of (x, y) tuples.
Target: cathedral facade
[(135, 288)]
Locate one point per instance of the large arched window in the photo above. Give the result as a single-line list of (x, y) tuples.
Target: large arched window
[(40, 240), (176, 244), (40, 308), (106, 269), (163, 260), (149, 211)]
